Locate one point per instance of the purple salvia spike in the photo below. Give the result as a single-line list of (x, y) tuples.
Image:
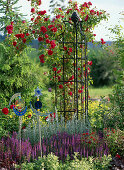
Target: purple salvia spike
[(84, 151), (87, 153)]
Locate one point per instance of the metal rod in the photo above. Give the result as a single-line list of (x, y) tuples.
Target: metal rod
[(76, 73), (73, 58), (81, 74), (40, 135), (86, 72), (20, 142), (55, 91), (64, 75), (39, 126)]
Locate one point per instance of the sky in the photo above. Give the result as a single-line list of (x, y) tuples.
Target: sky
[(113, 7)]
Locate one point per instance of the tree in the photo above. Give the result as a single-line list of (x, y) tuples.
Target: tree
[(8, 13), (103, 65), (56, 4), (17, 74)]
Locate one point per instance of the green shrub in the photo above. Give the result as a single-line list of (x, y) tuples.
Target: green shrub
[(102, 66), (3, 132), (115, 141), (98, 111), (9, 123), (51, 162)]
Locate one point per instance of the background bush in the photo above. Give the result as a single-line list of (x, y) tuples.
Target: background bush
[(103, 65)]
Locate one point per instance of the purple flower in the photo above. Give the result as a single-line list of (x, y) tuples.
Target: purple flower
[(50, 89)]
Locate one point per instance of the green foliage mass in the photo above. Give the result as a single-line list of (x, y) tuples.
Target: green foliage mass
[(51, 162), (17, 74), (103, 65)]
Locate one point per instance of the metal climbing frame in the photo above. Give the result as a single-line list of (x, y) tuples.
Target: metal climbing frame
[(77, 103)]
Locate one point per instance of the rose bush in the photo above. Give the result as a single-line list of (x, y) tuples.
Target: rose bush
[(49, 34)]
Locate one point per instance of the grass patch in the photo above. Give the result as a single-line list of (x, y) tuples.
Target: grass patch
[(101, 91)]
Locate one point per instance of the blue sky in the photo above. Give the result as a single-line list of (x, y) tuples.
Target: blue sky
[(113, 7)]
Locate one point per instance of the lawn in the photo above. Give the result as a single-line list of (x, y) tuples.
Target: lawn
[(101, 91)]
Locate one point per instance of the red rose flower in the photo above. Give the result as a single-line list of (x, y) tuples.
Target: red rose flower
[(58, 71), (39, 2), (22, 35), (24, 40), (18, 36), (54, 29), (32, 19), (54, 68), (41, 56), (33, 31), (46, 19), (58, 16), (86, 18), (23, 21), (50, 26), (61, 86), (85, 5), (41, 12), (53, 44), (29, 116), (118, 156), (90, 63), (47, 41), (10, 32), (70, 93), (5, 111), (54, 114), (59, 77), (68, 12), (65, 48), (46, 35), (14, 43), (80, 91), (50, 52), (27, 34), (92, 12), (89, 3), (11, 106), (12, 23), (40, 38), (42, 61), (23, 127), (70, 50), (98, 13), (46, 118), (9, 27), (102, 41), (32, 10), (43, 29)]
